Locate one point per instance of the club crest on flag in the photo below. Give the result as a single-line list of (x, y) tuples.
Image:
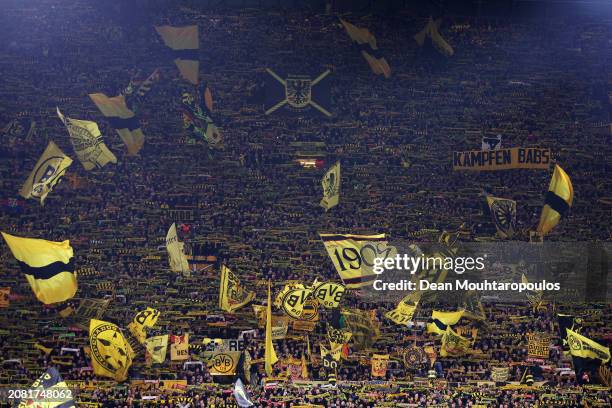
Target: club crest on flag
[(47, 175), (298, 91)]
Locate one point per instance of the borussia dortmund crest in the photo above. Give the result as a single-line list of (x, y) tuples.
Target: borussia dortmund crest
[(504, 215), (299, 94)]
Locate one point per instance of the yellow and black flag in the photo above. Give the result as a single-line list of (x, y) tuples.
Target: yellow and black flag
[(404, 311), (49, 382), (582, 346), (453, 344), (232, 295), (353, 256), (431, 33), (111, 354), (503, 212), (47, 173), (87, 142), (157, 347), (366, 42), (558, 201), (185, 43), (143, 320), (439, 321), (122, 119), (331, 187), (47, 265)]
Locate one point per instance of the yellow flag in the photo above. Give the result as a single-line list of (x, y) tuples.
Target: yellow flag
[(431, 31), (440, 321), (87, 142), (111, 354), (50, 382), (331, 187), (178, 260), (47, 172), (185, 42), (122, 119), (369, 50), (328, 294), (403, 313), (353, 256), (558, 200), (581, 346), (304, 367), (157, 346), (270, 353), (232, 295), (453, 344), (143, 319), (379, 365), (224, 363), (47, 265), (179, 347), (292, 299)]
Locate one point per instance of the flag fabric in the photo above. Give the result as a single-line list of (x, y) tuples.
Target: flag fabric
[(500, 374), (440, 321), (404, 311), (224, 363), (503, 212), (491, 143), (353, 256), (47, 265), (558, 201), (241, 395), (122, 119), (87, 142), (197, 118), (232, 295), (297, 94), (331, 187), (365, 331), (538, 345), (176, 253), (111, 354), (270, 353), (143, 320), (379, 365), (179, 347), (185, 43), (581, 346), (367, 45), (50, 380), (328, 294), (47, 172), (291, 299), (453, 344), (437, 41), (136, 90), (535, 296), (156, 347)]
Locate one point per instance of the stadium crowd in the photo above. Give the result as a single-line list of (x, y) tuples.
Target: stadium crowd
[(252, 207)]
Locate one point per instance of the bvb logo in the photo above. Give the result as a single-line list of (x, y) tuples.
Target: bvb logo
[(109, 348), (504, 213), (47, 175), (310, 311), (298, 92), (574, 343), (223, 363)]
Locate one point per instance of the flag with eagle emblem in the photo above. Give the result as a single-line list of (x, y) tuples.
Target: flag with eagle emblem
[(331, 187)]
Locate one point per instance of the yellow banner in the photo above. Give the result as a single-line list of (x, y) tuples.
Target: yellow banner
[(502, 159), (179, 347), (224, 363), (379, 365)]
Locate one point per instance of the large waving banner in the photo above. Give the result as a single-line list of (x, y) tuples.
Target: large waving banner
[(502, 159)]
